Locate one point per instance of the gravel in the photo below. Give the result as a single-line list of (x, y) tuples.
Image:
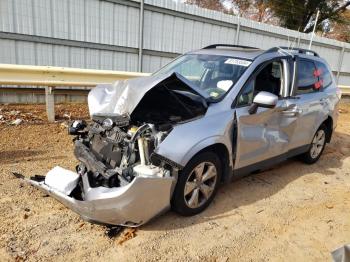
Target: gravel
[(291, 212)]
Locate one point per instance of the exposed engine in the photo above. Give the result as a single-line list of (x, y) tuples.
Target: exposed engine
[(120, 171), (112, 151)]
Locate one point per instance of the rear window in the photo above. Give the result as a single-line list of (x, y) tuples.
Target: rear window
[(307, 77), (325, 77)]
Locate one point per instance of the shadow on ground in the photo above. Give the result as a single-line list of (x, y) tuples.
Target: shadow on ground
[(12, 156), (255, 187), (15, 156)]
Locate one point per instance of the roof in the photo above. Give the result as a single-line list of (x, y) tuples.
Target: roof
[(250, 53), (245, 53)]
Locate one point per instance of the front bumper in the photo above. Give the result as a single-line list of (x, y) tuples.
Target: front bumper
[(131, 205)]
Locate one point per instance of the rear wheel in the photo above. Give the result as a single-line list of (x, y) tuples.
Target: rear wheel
[(197, 184), (317, 146)]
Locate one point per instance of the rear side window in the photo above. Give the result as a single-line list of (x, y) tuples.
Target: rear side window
[(325, 77), (307, 77)]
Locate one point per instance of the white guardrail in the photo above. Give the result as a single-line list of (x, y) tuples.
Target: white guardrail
[(52, 77), (345, 90)]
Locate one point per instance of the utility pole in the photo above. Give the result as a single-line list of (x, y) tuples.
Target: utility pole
[(313, 31), (141, 22)]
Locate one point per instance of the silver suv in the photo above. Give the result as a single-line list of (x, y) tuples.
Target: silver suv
[(209, 116)]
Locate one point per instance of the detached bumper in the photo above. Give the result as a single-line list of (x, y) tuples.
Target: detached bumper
[(131, 205)]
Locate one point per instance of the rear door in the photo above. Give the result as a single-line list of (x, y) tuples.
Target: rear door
[(310, 101)]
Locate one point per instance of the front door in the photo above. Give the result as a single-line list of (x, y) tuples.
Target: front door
[(267, 133)]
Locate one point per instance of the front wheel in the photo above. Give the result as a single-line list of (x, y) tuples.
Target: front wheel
[(317, 146), (197, 184)]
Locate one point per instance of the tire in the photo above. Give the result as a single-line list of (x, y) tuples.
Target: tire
[(200, 178), (316, 147)]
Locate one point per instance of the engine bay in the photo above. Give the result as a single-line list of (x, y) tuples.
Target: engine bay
[(114, 149), (120, 171)]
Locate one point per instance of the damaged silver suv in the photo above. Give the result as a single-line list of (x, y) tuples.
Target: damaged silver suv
[(211, 115)]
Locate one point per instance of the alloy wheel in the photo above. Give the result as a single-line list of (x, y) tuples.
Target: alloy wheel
[(200, 184), (318, 143)]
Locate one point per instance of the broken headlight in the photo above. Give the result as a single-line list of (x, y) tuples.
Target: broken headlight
[(76, 126), (107, 124)]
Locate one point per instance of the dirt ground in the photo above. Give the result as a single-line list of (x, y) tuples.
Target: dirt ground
[(292, 212)]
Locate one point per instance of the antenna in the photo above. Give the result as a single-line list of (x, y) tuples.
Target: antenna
[(313, 31)]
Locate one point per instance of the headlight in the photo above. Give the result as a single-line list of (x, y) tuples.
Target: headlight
[(76, 126), (107, 123)]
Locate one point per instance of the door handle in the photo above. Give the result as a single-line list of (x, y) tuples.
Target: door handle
[(323, 101), (294, 111)]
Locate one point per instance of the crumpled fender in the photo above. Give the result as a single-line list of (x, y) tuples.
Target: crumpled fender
[(187, 139)]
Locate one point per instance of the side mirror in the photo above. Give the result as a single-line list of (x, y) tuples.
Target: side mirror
[(263, 99)]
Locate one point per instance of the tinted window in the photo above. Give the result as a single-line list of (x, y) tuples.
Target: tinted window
[(325, 77), (307, 79)]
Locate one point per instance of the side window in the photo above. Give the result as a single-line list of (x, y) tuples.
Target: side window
[(246, 96), (325, 77), (269, 79), (307, 77)]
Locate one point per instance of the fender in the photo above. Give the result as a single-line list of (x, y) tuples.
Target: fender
[(206, 143), (187, 139)]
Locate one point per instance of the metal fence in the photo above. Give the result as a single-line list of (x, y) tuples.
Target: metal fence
[(51, 78), (135, 36)]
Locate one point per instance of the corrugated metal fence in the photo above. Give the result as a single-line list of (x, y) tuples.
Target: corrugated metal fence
[(135, 36)]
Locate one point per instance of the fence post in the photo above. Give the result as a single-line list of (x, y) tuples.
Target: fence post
[(340, 64), (299, 38), (140, 35), (237, 30), (50, 103)]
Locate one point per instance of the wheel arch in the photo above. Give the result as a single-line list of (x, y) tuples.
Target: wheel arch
[(222, 152), (329, 125)]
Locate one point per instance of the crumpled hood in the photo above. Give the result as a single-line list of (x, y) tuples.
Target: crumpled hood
[(123, 96)]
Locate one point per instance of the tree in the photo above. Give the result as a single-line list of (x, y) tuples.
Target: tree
[(208, 4), (340, 31), (300, 15), (333, 21), (257, 10)]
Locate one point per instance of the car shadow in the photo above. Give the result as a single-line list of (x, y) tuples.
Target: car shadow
[(15, 156), (258, 186), (11, 156)]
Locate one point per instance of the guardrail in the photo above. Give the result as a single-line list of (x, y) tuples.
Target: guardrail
[(52, 77), (344, 89)]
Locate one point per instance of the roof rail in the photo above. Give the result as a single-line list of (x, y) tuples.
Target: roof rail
[(226, 45), (300, 50)]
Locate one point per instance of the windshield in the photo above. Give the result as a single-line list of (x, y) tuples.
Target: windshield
[(214, 74)]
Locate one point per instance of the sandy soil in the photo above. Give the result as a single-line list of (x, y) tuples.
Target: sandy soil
[(292, 212)]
